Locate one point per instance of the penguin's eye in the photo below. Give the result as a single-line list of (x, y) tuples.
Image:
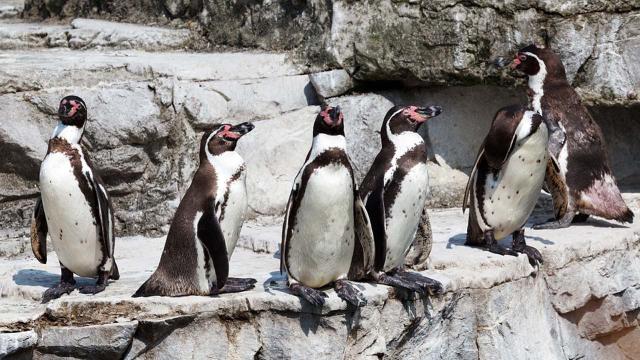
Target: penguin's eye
[(406, 112), (522, 57)]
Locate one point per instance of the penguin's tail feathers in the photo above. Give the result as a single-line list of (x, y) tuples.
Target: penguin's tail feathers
[(115, 273), (148, 289), (603, 199)]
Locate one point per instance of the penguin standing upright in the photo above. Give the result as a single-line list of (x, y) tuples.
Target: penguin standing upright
[(74, 208), (506, 180), (585, 184), (395, 191), (326, 235), (207, 223)]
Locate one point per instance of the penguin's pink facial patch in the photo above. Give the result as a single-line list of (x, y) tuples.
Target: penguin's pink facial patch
[(411, 113), (227, 133), (519, 59), (326, 117), (74, 108)]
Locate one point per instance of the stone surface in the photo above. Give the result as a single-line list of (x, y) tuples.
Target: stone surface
[(13, 343), (434, 42), (331, 83), (484, 313)]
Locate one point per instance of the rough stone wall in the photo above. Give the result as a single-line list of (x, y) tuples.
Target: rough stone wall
[(429, 42)]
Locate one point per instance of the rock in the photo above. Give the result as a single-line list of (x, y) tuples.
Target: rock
[(14, 343), (484, 313), (202, 106), (331, 83), (274, 152), (86, 342)]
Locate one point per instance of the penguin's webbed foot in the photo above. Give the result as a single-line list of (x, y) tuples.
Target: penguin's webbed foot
[(500, 250), (234, 285), (429, 285), (347, 292), (400, 282), (92, 289), (313, 296), (57, 291), (520, 245)]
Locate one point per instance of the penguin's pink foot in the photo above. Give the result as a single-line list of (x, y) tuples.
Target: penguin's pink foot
[(431, 286), (313, 296), (57, 291), (234, 285), (347, 292)]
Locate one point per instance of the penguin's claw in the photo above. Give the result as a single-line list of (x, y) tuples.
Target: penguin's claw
[(433, 287), (501, 250), (92, 289), (347, 292), (57, 291), (400, 282), (535, 258), (313, 296), (234, 285)]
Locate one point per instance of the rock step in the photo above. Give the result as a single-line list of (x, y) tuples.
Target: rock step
[(91, 34), (583, 297)]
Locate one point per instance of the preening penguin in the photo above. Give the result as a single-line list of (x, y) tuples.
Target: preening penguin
[(326, 235), (584, 184), (395, 191), (207, 223), (506, 180), (74, 208)]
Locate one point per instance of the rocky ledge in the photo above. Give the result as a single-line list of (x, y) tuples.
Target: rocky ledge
[(583, 303)]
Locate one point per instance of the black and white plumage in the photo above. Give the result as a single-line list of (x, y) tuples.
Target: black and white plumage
[(74, 208), (326, 235), (207, 223), (395, 191), (584, 184), (506, 180)]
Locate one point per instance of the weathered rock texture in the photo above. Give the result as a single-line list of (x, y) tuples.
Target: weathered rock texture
[(582, 303), (432, 42)]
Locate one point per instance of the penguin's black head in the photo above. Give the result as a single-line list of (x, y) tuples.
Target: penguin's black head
[(72, 111), (329, 121), (531, 60), (407, 118), (222, 137)]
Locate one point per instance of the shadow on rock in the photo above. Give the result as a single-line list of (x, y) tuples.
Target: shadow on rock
[(35, 277)]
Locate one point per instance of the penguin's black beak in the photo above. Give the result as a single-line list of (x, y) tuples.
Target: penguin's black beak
[(242, 129), (429, 111), (336, 116)]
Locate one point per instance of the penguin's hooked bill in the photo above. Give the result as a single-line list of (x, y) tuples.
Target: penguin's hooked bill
[(429, 111)]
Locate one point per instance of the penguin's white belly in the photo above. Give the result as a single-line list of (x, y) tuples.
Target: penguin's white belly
[(235, 210), (322, 240), (511, 197), (70, 221), (404, 215)]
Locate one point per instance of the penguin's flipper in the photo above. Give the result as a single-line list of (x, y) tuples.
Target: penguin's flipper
[(104, 219), (363, 251), (375, 210), (285, 227), (39, 231), (211, 236), (555, 183), (467, 191), (420, 250)]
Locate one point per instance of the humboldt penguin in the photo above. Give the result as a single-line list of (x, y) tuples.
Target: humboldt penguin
[(585, 184), (207, 223), (326, 235), (395, 192), (506, 180), (74, 208)]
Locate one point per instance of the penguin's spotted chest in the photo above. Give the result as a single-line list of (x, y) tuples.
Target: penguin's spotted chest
[(506, 181)]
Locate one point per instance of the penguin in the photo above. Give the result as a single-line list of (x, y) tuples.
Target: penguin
[(326, 234), (394, 192), (585, 184), (506, 180), (207, 223), (74, 208)]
